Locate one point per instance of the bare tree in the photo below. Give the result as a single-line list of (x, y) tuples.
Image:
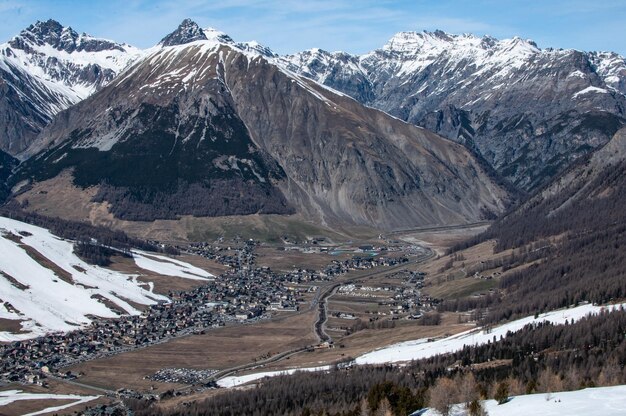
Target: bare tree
[(443, 395)]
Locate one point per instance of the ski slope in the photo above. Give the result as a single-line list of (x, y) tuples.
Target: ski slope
[(234, 381), (63, 296), (422, 348)]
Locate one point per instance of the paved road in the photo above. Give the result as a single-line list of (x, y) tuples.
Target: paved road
[(351, 278)]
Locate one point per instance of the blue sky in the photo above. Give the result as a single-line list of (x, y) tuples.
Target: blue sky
[(354, 26)]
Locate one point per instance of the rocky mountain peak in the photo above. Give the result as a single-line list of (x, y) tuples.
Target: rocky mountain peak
[(61, 38), (48, 67), (476, 90), (188, 31)]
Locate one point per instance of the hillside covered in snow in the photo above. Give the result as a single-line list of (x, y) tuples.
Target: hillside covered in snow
[(46, 287)]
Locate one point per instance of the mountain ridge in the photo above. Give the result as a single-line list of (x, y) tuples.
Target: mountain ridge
[(526, 147), (476, 91), (46, 69), (340, 161)]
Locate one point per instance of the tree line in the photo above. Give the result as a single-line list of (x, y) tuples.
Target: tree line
[(540, 358), (574, 242)]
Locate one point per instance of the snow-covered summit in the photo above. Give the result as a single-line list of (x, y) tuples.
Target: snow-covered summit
[(47, 49), (217, 35), (427, 46), (414, 42), (49, 67), (189, 32)]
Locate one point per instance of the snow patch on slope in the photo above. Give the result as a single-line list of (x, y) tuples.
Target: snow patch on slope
[(47, 302), (600, 401), (234, 381), (422, 348), (169, 267), (590, 90), (10, 396)]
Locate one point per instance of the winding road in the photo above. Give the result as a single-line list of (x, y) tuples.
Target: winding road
[(321, 301)]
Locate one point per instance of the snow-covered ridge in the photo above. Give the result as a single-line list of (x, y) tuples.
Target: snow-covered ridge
[(49, 50), (48, 68), (63, 297), (408, 53)]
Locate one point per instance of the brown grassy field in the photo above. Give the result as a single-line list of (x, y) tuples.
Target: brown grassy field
[(355, 306), (220, 348), (23, 407), (441, 240), (280, 260), (370, 339), (449, 279), (10, 325)]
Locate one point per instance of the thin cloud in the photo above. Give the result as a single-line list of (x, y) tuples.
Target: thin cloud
[(8, 5)]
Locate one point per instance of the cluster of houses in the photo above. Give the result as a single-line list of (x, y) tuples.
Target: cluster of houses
[(233, 297), (403, 299), (244, 293)]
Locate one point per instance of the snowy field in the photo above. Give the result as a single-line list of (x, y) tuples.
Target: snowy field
[(234, 381), (599, 401), (45, 302), (421, 348), (10, 396), (168, 267)]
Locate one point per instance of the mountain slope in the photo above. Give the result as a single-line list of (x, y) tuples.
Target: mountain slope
[(47, 68), (7, 164), (528, 112), (588, 196), (567, 239), (48, 288), (261, 139)]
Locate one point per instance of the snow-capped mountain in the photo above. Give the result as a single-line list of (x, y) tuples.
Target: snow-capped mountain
[(528, 111), (209, 127), (46, 69), (189, 31)]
